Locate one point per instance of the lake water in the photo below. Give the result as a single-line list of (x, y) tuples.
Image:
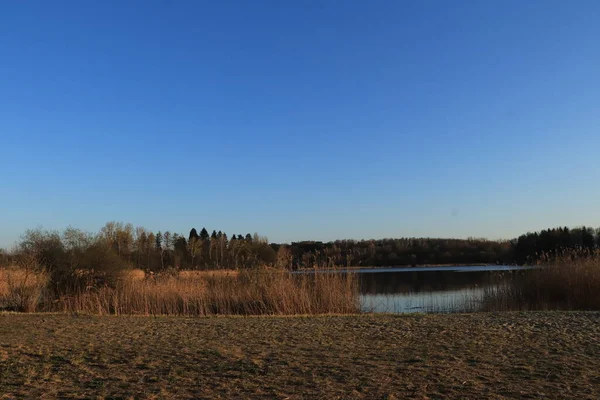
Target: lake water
[(428, 289)]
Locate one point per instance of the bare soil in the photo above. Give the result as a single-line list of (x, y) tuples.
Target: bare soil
[(463, 356)]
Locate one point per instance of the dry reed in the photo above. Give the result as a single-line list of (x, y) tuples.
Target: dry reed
[(257, 292), (22, 289), (570, 281)]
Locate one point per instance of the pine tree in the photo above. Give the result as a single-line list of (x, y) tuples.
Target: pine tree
[(213, 244), (204, 234), (158, 241)]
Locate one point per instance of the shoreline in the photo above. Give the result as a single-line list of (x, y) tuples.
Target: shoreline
[(356, 267)]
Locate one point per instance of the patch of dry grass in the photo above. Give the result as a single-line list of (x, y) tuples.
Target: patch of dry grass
[(21, 289), (133, 275), (459, 356), (209, 273)]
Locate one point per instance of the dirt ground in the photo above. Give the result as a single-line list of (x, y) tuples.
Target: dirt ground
[(467, 356)]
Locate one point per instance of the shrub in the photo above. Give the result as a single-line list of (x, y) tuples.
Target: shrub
[(72, 262)]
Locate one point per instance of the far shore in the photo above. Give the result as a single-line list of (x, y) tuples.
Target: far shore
[(357, 267)]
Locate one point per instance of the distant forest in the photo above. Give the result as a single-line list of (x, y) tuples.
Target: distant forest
[(430, 251), (140, 248)]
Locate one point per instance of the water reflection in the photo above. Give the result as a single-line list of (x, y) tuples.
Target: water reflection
[(446, 301), (441, 289)]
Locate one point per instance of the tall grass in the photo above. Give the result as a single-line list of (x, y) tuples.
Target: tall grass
[(22, 289), (255, 292), (569, 281)]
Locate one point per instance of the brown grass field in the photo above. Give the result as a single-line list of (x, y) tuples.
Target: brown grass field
[(463, 356)]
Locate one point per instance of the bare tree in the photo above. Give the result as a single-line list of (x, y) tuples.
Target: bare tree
[(194, 246), (168, 243), (284, 257), (151, 242), (139, 242)]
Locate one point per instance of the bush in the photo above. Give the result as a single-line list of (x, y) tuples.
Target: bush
[(72, 262)]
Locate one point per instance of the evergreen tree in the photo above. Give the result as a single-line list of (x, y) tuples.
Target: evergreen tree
[(158, 241), (193, 234), (204, 234), (587, 238)]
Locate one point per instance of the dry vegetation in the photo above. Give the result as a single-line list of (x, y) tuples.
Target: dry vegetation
[(570, 281), (79, 272), (261, 291), (22, 289), (91, 278), (462, 356)]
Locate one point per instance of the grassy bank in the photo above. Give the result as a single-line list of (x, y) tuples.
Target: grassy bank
[(467, 356)]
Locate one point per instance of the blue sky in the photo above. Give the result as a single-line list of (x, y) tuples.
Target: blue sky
[(300, 120)]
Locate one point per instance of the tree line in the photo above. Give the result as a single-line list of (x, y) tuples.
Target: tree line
[(526, 249), (533, 245), (162, 250), (123, 244)]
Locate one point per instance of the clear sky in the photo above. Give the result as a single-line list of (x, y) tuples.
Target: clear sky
[(300, 119)]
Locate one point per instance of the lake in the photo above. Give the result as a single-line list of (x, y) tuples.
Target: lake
[(428, 289)]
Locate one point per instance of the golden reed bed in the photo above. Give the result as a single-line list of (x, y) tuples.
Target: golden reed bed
[(191, 293)]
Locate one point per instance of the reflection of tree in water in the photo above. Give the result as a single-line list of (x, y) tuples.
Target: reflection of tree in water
[(425, 281)]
